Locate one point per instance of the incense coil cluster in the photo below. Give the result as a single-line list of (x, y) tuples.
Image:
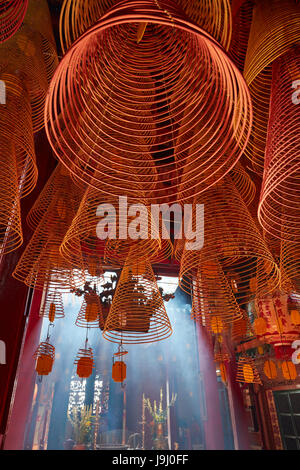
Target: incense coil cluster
[(32, 52), (167, 121), (44, 355), (243, 183), (137, 313), (90, 313), (53, 306), (247, 371), (12, 13), (232, 241), (84, 362), (17, 158), (211, 15), (41, 262), (278, 210), (268, 40), (115, 248)]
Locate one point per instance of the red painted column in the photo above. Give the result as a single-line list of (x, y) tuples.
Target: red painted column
[(26, 378), (237, 409), (213, 424)]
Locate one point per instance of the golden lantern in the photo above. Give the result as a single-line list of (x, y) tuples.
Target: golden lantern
[(274, 324), (289, 370), (247, 371), (52, 307), (137, 313), (44, 355), (84, 363), (270, 369)]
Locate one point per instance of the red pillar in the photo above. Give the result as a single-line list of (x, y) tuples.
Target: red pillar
[(213, 424)]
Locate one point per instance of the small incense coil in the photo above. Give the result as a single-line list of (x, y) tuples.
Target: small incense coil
[(278, 210), (90, 313), (214, 16), (290, 262), (114, 94), (84, 362), (114, 250), (41, 261), (268, 41), (53, 306), (12, 13), (232, 240), (213, 299), (44, 355), (137, 314), (247, 371), (31, 53)]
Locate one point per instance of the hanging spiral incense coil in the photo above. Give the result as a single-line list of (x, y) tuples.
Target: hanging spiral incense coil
[(290, 262), (268, 40), (113, 94), (12, 13), (85, 228), (243, 183), (32, 56), (247, 371), (84, 362), (214, 16), (241, 23), (232, 239), (137, 314), (17, 158), (41, 262), (90, 313), (53, 306), (278, 211), (16, 132), (44, 355), (241, 329), (214, 305)]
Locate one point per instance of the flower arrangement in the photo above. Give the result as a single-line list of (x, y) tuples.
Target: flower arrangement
[(81, 420)]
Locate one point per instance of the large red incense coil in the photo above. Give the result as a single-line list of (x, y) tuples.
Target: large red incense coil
[(90, 314), (53, 306), (268, 40), (214, 16), (208, 89), (247, 371), (12, 13), (232, 238), (32, 54), (84, 362), (214, 305), (41, 263), (137, 314), (44, 355), (241, 329), (114, 250), (278, 210)]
